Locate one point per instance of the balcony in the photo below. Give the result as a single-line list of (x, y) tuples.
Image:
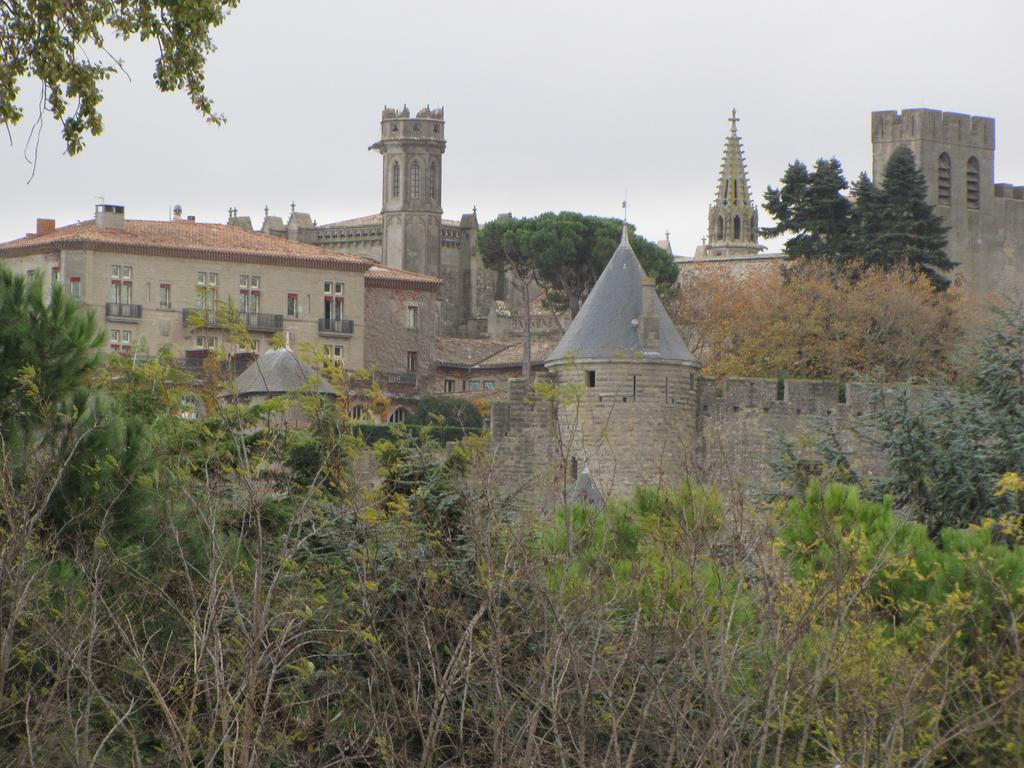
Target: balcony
[(405, 378), (128, 313), (336, 327), (253, 321)]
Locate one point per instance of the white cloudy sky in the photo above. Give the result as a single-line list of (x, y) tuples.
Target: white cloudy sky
[(550, 105)]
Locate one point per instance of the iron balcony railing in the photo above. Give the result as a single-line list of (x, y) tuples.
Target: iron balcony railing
[(124, 311), (337, 327), (400, 377), (253, 321)]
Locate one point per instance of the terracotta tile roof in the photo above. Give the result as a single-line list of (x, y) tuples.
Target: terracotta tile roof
[(375, 219), (512, 356), (189, 240), (391, 277), (485, 354), (464, 353), (361, 221)]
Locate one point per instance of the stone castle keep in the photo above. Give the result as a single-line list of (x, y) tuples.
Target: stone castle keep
[(957, 155)]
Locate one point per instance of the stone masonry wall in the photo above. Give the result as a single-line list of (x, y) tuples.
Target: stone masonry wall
[(389, 338), (743, 422), (632, 422), (728, 432), (526, 462)]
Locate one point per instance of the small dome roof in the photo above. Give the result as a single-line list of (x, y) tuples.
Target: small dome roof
[(277, 372), (606, 326)]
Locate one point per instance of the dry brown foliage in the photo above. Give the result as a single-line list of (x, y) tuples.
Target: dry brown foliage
[(805, 321)]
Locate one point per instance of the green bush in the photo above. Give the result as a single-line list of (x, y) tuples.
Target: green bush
[(449, 411)]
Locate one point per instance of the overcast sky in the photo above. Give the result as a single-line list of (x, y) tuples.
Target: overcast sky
[(549, 105)]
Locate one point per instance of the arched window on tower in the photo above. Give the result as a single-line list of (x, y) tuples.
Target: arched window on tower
[(396, 179), (736, 224), (973, 182), (432, 181), (945, 179), (735, 194), (720, 230), (414, 180)]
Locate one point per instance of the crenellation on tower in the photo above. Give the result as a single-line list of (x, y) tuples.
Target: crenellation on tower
[(933, 125), (956, 154)]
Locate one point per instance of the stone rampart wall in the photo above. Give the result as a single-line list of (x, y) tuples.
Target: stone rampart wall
[(736, 435)]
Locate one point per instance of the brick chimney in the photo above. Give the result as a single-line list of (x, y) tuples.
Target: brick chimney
[(45, 226), (109, 216)]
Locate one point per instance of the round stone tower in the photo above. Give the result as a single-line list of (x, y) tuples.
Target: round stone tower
[(630, 411), (411, 148)]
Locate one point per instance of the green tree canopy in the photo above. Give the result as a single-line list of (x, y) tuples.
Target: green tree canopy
[(811, 206), (894, 223), (62, 45), (886, 225), (566, 252), (946, 458), (53, 335)]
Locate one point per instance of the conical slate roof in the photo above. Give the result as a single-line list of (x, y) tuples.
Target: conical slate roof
[(607, 326), (277, 372)]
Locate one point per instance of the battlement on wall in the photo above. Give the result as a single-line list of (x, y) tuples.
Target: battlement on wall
[(392, 113), (796, 397), (933, 125), (1009, 191)]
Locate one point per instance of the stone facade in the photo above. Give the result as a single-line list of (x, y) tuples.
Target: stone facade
[(402, 324), (156, 283), (956, 152)]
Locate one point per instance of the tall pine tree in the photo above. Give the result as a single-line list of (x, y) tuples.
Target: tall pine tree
[(811, 205), (895, 224)]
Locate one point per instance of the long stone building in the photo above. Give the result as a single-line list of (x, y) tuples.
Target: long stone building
[(160, 283)]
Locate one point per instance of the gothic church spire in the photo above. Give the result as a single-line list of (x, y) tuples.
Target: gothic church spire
[(732, 218)]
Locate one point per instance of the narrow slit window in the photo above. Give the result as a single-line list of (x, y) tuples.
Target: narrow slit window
[(591, 378), (973, 183), (945, 190)]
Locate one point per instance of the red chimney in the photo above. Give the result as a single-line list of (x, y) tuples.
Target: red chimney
[(45, 226)]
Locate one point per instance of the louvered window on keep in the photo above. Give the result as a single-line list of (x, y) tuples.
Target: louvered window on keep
[(945, 180), (973, 183), (396, 179), (414, 180)]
